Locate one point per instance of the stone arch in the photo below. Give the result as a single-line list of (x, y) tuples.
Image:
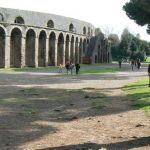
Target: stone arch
[(42, 49), (84, 46), (71, 27), (6, 32), (89, 31), (19, 20), (60, 49), (84, 30), (77, 50), (95, 59), (1, 17), (99, 53), (72, 49), (2, 47), (30, 48), (88, 41), (80, 50), (51, 57), (50, 24), (15, 48), (67, 53)]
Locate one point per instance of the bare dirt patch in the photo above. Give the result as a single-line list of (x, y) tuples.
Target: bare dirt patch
[(51, 112)]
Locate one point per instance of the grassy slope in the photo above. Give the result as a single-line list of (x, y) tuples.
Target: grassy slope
[(85, 69), (139, 93), (148, 60), (25, 69), (97, 71)]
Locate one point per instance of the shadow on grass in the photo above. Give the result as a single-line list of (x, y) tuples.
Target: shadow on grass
[(140, 100), (131, 87), (139, 94)]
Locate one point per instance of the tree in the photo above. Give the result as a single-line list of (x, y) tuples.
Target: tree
[(125, 44), (114, 44), (98, 31), (114, 39), (139, 11)]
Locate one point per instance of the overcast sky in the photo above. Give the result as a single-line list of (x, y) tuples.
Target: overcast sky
[(105, 14)]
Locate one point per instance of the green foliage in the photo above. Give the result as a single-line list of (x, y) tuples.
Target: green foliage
[(138, 10), (144, 46), (115, 52), (131, 47), (139, 94), (148, 60), (123, 47), (114, 45), (98, 32), (99, 71), (114, 39), (140, 55)]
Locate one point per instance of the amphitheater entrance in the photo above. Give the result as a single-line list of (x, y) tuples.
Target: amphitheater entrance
[(42, 49), (67, 57), (72, 49), (76, 51), (2, 48), (84, 46), (80, 51), (15, 48), (60, 52), (51, 58), (30, 48)]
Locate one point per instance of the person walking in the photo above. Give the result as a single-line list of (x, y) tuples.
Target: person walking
[(138, 63), (71, 67), (120, 61), (67, 67), (77, 65)]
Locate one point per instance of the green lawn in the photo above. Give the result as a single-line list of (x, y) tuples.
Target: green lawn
[(139, 93), (85, 69), (25, 69), (148, 60), (98, 71)]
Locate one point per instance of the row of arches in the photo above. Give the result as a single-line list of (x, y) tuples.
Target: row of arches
[(103, 54), (50, 24), (40, 51)]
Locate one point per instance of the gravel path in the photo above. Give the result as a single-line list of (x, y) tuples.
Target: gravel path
[(116, 126)]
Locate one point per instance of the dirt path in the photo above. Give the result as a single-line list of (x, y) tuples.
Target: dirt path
[(48, 112)]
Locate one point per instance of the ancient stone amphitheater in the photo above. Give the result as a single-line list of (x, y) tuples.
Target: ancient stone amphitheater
[(34, 39)]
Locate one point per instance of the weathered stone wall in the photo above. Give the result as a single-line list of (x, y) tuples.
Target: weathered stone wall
[(36, 39), (33, 39), (38, 19)]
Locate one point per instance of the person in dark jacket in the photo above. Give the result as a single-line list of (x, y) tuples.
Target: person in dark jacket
[(77, 65), (67, 67)]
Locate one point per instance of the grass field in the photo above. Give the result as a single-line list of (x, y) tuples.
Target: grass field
[(25, 69), (139, 93), (148, 60), (98, 71), (85, 69)]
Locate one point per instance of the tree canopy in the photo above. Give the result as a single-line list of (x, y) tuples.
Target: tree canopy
[(98, 32), (129, 46), (139, 11)]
